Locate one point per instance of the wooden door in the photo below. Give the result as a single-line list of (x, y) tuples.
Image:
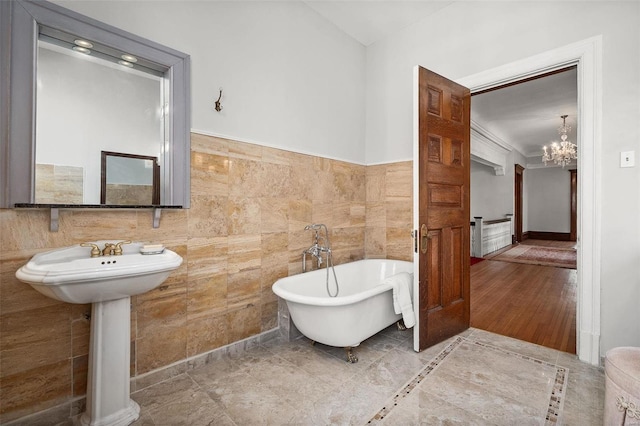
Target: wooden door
[(518, 188), (443, 208)]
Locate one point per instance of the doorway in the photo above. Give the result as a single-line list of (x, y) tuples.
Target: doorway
[(534, 304), (586, 55)]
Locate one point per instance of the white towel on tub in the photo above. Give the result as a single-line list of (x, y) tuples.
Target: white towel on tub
[(401, 284)]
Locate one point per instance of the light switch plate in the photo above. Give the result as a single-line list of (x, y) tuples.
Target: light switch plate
[(628, 159)]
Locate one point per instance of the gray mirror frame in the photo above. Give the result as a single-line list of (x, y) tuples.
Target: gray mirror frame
[(19, 23)]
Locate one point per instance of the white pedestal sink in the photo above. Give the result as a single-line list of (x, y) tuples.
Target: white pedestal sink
[(107, 282)]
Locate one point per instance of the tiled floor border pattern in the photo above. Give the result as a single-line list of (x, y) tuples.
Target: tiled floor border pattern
[(413, 383), (556, 400)]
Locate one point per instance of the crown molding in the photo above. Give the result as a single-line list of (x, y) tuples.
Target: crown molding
[(488, 149)]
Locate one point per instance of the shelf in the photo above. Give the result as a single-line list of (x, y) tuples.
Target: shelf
[(55, 210)]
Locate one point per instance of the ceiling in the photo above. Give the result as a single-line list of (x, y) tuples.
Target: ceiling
[(368, 21), (526, 116)]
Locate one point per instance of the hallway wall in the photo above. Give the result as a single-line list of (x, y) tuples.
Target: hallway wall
[(491, 195), (548, 194)]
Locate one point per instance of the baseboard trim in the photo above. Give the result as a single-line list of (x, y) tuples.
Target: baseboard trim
[(166, 372), (553, 236), (589, 348)]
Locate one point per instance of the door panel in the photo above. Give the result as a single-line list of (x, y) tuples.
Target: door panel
[(443, 207), (434, 280)]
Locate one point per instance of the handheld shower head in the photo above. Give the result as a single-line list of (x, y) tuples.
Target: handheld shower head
[(316, 227)]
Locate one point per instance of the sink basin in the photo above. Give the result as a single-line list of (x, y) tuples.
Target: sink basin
[(69, 274)]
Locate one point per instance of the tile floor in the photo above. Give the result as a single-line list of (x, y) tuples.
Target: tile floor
[(475, 378)]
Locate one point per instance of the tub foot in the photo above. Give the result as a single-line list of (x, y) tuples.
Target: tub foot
[(313, 343), (400, 325), (351, 357)]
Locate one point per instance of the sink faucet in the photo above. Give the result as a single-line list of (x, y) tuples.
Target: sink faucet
[(118, 247), (108, 250), (114, 249), (95, 250)]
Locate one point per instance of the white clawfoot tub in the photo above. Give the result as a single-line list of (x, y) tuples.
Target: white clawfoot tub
[(363, 308)]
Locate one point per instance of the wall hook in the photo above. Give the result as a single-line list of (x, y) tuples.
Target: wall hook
[(218, 106)]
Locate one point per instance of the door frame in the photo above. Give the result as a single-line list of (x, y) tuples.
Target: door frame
[(518, 190), (573, 218), (587, 56)]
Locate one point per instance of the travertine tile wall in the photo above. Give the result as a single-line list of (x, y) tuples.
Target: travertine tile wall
[(389, 211), (244, 230), (117, 193), (59, 184)]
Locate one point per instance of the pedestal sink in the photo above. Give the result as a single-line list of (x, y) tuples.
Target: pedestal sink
[(71, 275)]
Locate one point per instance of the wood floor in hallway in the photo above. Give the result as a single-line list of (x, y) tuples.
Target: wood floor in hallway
[(533, 303)]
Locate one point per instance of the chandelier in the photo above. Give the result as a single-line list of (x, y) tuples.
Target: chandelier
[(561, 153)]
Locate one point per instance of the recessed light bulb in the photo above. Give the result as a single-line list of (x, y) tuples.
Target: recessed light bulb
[(81, 50), (129, 58), (126, 64), (83, 43)]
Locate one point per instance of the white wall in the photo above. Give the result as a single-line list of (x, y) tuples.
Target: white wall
[(491, 195), (548, 194), (291, 79), (468, 37)]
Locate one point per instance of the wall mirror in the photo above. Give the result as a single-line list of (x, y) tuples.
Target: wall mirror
[(76, 87)]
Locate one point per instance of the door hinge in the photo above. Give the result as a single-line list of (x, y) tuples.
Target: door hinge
[(414, 235)]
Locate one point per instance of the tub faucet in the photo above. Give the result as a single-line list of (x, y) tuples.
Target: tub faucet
[(316, 249)]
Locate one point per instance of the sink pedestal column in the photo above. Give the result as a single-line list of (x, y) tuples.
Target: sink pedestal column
[(108, 400)]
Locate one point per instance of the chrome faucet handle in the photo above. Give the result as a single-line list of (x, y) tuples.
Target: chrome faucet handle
[(316, 238), (95, 250), (118, 247), (108, 249)]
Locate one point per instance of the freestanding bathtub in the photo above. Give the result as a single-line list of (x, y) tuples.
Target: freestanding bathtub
[(363, 307)]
